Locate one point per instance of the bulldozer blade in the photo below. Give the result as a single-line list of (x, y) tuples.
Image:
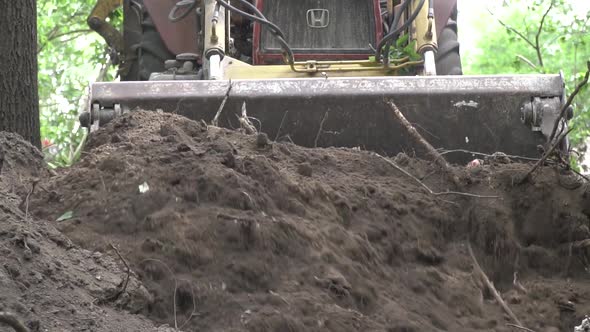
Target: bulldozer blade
[(487, 114)]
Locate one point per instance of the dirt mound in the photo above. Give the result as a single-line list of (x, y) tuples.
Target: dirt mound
[(46, 282), (232, 232)]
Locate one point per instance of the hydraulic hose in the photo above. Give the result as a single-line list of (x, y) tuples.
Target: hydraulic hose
[(191, 4), (393, 35), (264, 21), (393, 26)]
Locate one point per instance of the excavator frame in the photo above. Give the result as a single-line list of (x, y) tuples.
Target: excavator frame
[(331, 102)]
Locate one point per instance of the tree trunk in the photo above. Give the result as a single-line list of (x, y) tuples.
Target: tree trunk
[(19, 100)]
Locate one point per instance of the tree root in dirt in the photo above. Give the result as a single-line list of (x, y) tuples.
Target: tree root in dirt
[(432, 192), (11, 320), (123, 288), (527, 176), (176, 284), (317, 137), (491, 287), (245, 121), (520, 327)]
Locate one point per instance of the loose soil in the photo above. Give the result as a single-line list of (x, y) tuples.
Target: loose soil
[(231, 232), (47, 282)]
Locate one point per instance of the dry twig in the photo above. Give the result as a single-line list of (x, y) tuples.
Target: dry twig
[(437, 157), (545, 156), (580, 244), (432, 192), (517, 283), (520, 327), (194, 312), (175, 285), (577, 173), (11, 320), (569, 102), (27, 200), (527, 61), (509, 156), (317, 137), (523, 37), (537, 44), (245, 121), (281, 125), (491, 287), (215, 121), (115, 296)]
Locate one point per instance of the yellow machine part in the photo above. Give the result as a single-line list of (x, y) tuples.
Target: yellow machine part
[(97, 22), (235, 69)]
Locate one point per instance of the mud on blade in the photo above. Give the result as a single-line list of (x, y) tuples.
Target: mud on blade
[(511, 114)]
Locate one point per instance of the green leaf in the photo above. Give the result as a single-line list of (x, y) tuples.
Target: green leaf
[(402, 40), (66, 216)]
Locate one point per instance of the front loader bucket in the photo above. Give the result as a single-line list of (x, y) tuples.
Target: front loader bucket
[(476, 113)]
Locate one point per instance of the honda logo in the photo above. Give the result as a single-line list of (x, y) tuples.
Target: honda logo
[(318, 18)]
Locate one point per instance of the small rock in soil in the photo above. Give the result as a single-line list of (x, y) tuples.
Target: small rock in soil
[(305, 169), (262, 140)]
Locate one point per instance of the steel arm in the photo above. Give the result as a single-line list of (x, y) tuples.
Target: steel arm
[(97, 22)]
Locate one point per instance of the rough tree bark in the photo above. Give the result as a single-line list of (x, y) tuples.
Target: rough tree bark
[(19, 100)]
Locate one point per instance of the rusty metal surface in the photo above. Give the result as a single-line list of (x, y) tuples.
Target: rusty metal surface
[(179, 37), (478, 113), (442, 12)]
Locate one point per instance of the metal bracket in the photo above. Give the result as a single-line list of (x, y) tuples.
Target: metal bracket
[(541, 113), (97, 116)]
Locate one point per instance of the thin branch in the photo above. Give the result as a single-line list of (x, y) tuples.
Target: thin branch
[(245, 122), (53, 34), (69, 33), (124, 288), (489, 155), (523, 37), (520, 327), (426, 131), (578, 173), (412, 132), (281, 125), (27, 200), (545, 156), (538, 47), (527, 61), (49, 37), (432, 192), (11, 320), (175, 286), (63, 41), (317, 137), (569, 102), (491, 287), (215, 121)]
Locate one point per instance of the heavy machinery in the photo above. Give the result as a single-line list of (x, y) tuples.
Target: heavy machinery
[(317, 72)]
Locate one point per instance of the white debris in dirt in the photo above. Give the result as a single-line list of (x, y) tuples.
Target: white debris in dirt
[(463, 103), (144, 188), (585, 326), (475, 163)]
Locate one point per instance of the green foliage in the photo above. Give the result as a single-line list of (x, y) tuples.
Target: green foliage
[(510, 46), (70, 56), (403, 49)]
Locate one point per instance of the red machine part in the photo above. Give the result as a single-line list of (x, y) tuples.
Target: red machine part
[(181, 37), (260, 57)]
